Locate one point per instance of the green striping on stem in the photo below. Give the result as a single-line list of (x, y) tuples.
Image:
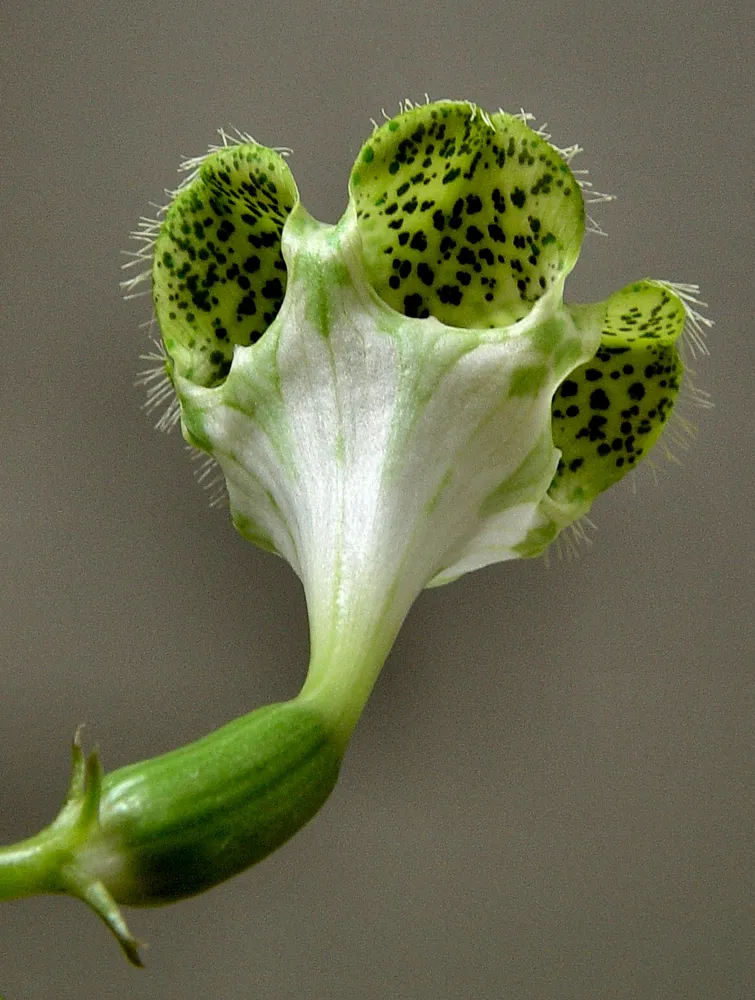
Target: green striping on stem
[(171, 827), (393, 401), (281, 762)]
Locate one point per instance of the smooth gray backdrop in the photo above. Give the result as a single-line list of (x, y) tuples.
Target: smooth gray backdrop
[(551, 792)]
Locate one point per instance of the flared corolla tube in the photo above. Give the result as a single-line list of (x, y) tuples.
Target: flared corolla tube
[(393, 400)]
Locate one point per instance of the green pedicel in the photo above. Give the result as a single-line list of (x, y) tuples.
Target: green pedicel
[(173, 826), (394, 401)]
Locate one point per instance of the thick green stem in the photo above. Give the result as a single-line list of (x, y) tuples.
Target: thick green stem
[(171, 827), (33, 865), (201, 814)]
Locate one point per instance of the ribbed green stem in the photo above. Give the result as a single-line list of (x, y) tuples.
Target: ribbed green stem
[(209, 810), (171, 827)]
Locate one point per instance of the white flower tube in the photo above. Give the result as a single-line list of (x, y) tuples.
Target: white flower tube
[(379, 453)]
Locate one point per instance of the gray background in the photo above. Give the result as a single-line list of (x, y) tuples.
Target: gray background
[(550, 794)]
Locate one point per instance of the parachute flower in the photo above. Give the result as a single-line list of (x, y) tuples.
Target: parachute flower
[(393, 401)]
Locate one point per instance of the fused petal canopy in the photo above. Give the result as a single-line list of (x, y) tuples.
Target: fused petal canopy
[(448, 266)]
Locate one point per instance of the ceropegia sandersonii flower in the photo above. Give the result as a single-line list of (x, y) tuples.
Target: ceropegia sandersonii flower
[(393, 401)]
